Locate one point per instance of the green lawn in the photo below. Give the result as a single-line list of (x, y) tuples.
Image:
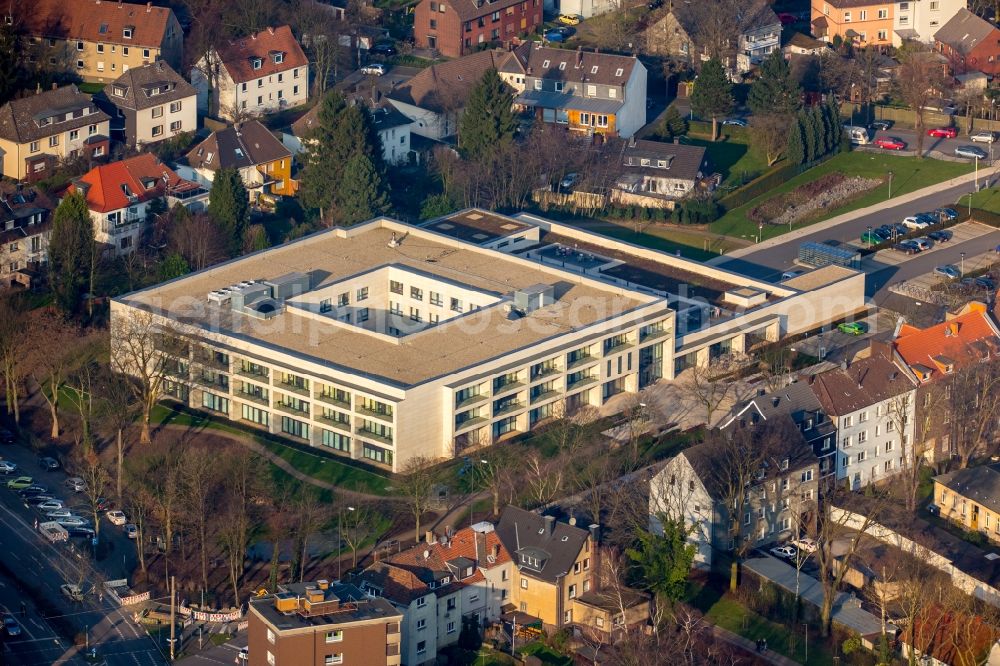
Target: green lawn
[(988, 199), (733, 159), (909, 174), (90, 88)]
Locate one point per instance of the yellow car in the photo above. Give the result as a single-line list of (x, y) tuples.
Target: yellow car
[(568, 19)]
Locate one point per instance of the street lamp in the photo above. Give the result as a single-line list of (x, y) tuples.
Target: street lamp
[(340, 538), (472, 495), (890, 184), (962, 269), (977, 174), (760, 231), (869, 236)]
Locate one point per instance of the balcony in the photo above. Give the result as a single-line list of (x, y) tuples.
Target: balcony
[(212, 362), (581, 361), (331, 400), (212, 382), (512, 406), (620, 347), (470, 423), (471, 400), (579, 382), (258, 376), (251, 397), (335, 423), (382, 416), (546, 372), (543, 396), (368, 434), (653, 335), (128, 225), (294, 388), (289, 409), (507, 387)]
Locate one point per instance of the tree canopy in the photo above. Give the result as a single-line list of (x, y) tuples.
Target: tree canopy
[(488, 122), (663, 563), (71, 252), (229, 206), (776, 90), (361, 194), (713, 93)]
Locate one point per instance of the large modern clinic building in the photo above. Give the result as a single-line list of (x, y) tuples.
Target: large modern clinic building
[(386, 341)]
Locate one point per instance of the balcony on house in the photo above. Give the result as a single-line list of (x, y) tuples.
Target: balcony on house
[(334, 418), (506, 383), (294, 384), (375, 408), (616, 344), (292, 405), (252, 370), (579, 379), (376, 431), (335, 396), (468, 396), (579, 358), (544, 369)]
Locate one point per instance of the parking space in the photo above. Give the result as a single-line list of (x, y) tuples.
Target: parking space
[(927, 285), (961, 233)]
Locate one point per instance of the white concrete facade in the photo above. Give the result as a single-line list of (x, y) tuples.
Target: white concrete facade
[(924, 17), (256, 97), (873, 442), (166, 121)]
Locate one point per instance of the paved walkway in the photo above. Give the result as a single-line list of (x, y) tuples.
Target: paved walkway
[(746, 644), (985, 175)]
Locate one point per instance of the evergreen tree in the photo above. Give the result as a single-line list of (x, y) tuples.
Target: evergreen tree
[(362, 192), (663, 563), (810, 134), (71, 252), (674, 124), (229, 207), (10, 70), (795, 152), (255, 239), (819, 131), (173, 266), (488, 121), (824, 121), (713, 94), (833, 113), (776, 90)]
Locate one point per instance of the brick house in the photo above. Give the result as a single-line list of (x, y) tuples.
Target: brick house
[(970, 43), (459, 27)]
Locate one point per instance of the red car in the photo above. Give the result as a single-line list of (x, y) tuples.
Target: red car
[(890, 143), (943, 132)]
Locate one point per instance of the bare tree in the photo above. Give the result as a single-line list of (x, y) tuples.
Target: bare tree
[(118, 410), (54, 353), (321, 36), (497, 473), (96, 480), (311, 514), (415, 484), (711, 384), (199, 474), (919, 79), (974, 410), (358, 524), (139, 508), (196, 237), (239, 519), (82, 384), (13, 322), (544, 478), (769, 135)]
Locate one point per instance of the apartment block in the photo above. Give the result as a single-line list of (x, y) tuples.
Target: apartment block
[(319, 624), (456, 28), (149, 104)]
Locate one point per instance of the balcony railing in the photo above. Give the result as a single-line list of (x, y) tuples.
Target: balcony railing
[(382, 416), (251, 397), (471, 400), (331, 400), (581, 361), (340, 425), (294, 388), (256, 375), (509, 407), (544, 395), (369, 434), (507, 387), (546, 372), (580, 381), (469, 423), (652, 335), (212, 362), (290, 409), (614, 349)]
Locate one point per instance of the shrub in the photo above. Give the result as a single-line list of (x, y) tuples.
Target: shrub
[(852, 644)]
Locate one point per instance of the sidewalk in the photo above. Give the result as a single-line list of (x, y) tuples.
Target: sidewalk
[(746, 644), (986, 174)]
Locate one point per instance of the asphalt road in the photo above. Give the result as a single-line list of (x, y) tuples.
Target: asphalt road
[(947, 146), (41, 568), (769, 263)]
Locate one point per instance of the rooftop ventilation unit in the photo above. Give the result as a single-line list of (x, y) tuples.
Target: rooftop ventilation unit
[(532, 298)]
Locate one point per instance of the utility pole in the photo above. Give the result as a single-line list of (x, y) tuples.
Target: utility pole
[(173, 609)]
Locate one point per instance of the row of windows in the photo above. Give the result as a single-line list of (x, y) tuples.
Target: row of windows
[(270, 97), (74, 135), (281, 79)]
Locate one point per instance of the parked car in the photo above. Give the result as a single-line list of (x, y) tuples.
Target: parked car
[(922, 244), (913, 222), (10, 625), (19, 483), (971, 152), (73, 592), (806, 545), (59, 513), (33, 489), (243, 656), (947, 214), (560, 34), (949, 271), (48, 463), (986, 283), (983, 136), (890, 143), (788, 275), (881, 125), (50, 505), (852, 327), (7, 467), (76, 484), (35, 500), (736, 122), (385, 50), (84, 532), (103, 504), (73, 521), (374, 69), (117, 517), (568, 19), (874, 237), (131, 531), (940, 236), (943, 132), (784, 552), (569, 180)]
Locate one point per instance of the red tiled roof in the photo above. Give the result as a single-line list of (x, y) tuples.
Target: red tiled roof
[(952, 340), (84, 19), (237, 56), (106, 194)]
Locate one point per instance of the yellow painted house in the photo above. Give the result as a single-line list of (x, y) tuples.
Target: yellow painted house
[(971, 498)]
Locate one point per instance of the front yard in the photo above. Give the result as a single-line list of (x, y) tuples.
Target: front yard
[(909, 174)]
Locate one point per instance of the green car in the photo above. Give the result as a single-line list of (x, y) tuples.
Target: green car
[(19, 483), (852, 328), (871, 238)]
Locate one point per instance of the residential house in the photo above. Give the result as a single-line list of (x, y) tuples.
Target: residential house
[(779, 501), (149, 104), (586, 91), (679, 33), (799, 44), (871, 401), (970, 43), (318, 624), (970, 497), (797, 401), (434, 98), (254, 75), (656, 174), (455, 28), (862, 22), (39, 131), (265, 165), (921, 20), (587, 8), (99, 39), (935, 355), (392, 127), (119, 195), (25, 226), (441, 585)]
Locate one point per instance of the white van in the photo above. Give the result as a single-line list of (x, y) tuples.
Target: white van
[(859, 136)]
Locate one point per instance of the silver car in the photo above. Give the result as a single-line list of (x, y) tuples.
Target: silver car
[(983, 136), (971, 152)]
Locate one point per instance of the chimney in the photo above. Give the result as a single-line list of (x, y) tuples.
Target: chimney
[(550, 525), (429, 537), (677, 140), (270, 30), (149, 7), (496, 550), (55, 86), (323, 584), (595, 533), (595, 568), (775, 401)]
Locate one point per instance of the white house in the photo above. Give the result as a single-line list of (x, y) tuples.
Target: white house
[(678, 492), (254, 75), (392, 126), (920, 20)]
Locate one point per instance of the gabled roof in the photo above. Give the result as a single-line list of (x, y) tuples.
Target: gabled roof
[(793, 400), (244, 145), (23, 120), (471, 9), (682, 162), (18, 206), (964, 31), (109, 187), (579, 66), (950, 637), (238, 57), (147, 86), (96, 21), (805, 42), (864, 382), (531, 538), (961, 340), (446, 85), (384, 117), (980, 484)]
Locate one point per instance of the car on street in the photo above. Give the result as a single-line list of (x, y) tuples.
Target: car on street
[(940, 236), (50, 505), (48, 463), (568, 19), (385, 50), (7, 467), (78, 532), (19, 483), (881, 125), (947, 214), (374, 69), (117, 517), (949, 271), (983, 136), (806, 544), (72, 592), (243, 655), (736, 122), (73, 521), (971, 152), (10, 625), (59, 513), (943, 132), (131, 531), (784, 552), (76, 484), (890, 143), (852, 328)]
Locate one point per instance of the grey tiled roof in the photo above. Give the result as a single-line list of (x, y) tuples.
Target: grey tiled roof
[(555, 544), (964, 31), (139, 83), (20, 118), (980, 484)]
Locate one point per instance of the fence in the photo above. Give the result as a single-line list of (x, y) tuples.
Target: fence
[(112, 587), (211, 616)]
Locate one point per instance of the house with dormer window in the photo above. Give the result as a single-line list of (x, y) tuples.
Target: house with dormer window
[(252, 76), (149, 104), (585, 91), (39, 131), (656, 174), (25, 227)]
